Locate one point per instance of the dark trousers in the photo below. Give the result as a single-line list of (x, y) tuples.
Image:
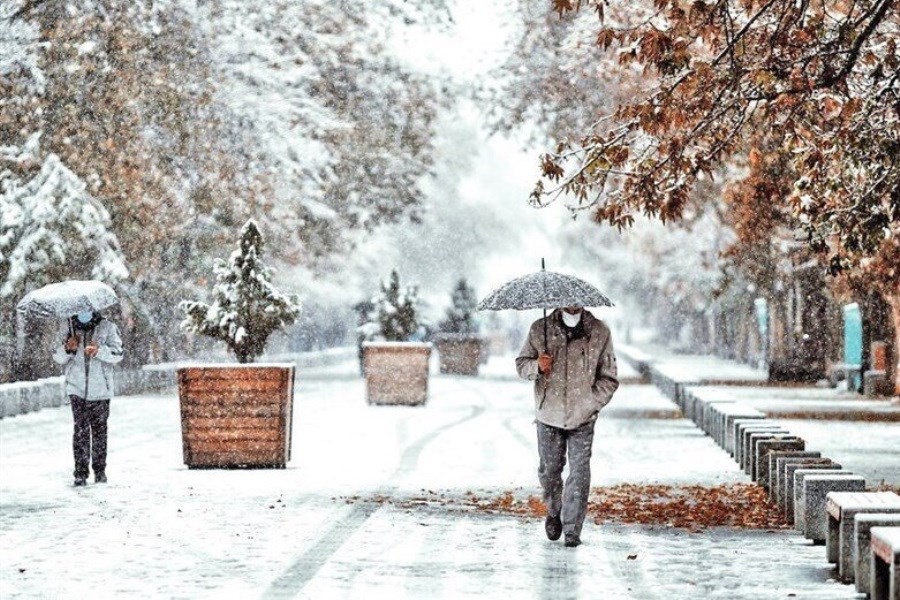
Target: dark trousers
[(89, 439), (569, 502)]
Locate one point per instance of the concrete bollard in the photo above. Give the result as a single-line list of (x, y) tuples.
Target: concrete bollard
[(795, 511), (782, 473), (726, 417), (734, 425), (764, 451), (810, 504), (751, 439), (862, 536), (744, 430), (774, 466)]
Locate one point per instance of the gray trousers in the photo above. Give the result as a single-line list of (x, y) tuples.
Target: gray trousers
[(569, 502)]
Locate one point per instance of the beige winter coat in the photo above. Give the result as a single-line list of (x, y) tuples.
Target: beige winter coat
[(584, 375)]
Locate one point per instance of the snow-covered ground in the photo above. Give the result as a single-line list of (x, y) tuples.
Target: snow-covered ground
[(159, 530)]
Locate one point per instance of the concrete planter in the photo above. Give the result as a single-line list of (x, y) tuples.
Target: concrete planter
[(396, 372), (236, 415), (459, 354)]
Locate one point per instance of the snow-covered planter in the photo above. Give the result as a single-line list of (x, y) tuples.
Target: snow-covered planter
[(459, 346), (239, 415), (395, 365), (236, 415), (396, 372), (460, 353)]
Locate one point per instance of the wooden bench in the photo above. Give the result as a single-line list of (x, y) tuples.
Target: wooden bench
[(862, 557), (885, 553), (841, 508)]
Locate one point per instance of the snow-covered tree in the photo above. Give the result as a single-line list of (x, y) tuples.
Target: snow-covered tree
[(246, 307), (337, 129), (395, 313), (52, 229), (18, 42), (461, 314)]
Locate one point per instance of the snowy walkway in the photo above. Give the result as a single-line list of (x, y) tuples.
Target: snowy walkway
[(158, 530)]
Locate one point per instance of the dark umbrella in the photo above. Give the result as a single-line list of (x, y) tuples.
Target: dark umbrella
[(544, 289)]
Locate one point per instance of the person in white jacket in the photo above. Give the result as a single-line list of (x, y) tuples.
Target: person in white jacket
[(87, 347)]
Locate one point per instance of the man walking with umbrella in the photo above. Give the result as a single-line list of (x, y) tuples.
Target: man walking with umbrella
[(87, 346), (569, 355)]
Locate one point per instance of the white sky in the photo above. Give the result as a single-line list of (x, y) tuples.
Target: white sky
[(477, 219)]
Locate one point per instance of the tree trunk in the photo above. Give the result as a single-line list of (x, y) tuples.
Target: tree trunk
[(894, 371)]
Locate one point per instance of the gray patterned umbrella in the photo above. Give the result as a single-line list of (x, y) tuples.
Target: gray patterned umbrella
[(66, 298), (544, 289)]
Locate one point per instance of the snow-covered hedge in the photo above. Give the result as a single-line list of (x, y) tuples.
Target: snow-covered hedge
[(23, 397)]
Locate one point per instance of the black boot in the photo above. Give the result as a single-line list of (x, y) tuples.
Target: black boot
[(80, 481), (572, 539), (553, 527), (100, 477)]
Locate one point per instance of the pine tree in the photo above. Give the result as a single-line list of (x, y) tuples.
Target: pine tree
[(461, 314), (53, 229), (394, 317), (246, 307)]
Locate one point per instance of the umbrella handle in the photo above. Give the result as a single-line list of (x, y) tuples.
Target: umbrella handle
[(545, 311), (545, 331)]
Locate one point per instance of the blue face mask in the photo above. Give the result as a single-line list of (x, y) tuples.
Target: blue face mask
[(84, 317)]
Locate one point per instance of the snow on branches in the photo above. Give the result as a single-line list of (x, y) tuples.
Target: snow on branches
[(461, 314), (394, 314), (52, 229), (246, 307), (18, 48), (824, 75)]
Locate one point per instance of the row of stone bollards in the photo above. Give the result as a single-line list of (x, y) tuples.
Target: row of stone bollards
[(819, 497)]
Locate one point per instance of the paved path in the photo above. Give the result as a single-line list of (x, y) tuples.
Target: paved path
[(159, 530)]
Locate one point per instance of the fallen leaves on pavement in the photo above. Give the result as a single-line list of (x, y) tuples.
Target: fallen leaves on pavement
[(692, 507)]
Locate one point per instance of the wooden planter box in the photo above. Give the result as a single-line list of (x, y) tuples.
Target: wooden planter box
[(459, 354), (236, 415), (396, 372)]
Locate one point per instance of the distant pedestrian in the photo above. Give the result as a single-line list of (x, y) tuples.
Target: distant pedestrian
[(87, 346), (569, 355)]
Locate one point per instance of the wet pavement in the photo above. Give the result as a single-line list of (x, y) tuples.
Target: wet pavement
[(159, 530)]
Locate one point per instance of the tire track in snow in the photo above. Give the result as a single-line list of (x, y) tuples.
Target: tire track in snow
[(304, 569)]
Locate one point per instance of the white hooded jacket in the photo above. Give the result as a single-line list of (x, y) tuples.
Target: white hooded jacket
[(93, 381)]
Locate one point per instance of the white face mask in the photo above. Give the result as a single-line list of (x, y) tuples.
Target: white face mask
[(571, 320)]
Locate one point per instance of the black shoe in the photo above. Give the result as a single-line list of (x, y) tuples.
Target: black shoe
[(553, 527), (100, 477), (572, 539), (80, 481)]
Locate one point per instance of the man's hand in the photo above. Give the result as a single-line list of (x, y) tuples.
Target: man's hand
[(545, 364), (71, 344), (92, 349)]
